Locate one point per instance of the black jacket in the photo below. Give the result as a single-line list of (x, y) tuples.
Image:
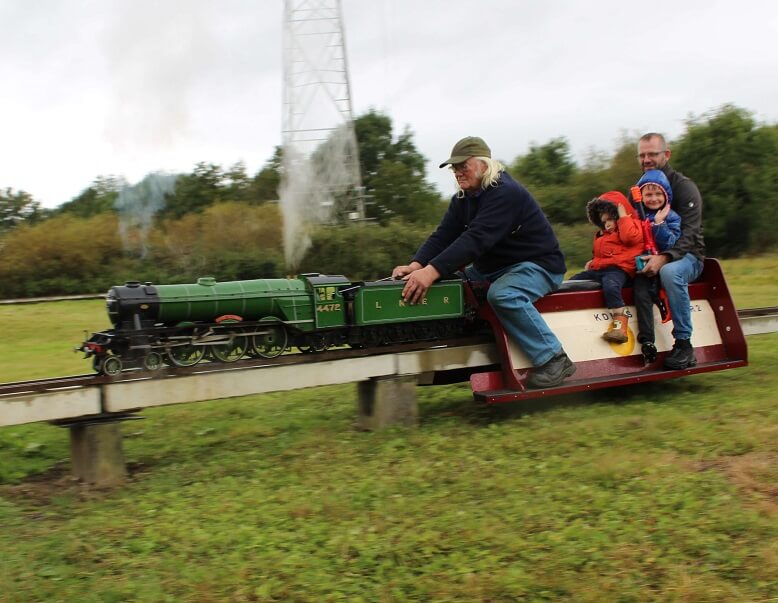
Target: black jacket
[(687, 202), (493, 229)]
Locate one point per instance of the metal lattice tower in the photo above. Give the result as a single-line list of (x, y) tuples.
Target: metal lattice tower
[(317, 97)]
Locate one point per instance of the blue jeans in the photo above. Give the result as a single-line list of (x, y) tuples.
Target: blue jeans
[(511, 294), (612, 279), (676, 277)]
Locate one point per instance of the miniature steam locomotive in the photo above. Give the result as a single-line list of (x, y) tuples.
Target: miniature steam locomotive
[(181, 325)]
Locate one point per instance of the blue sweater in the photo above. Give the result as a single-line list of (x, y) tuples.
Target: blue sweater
[(493, 229)]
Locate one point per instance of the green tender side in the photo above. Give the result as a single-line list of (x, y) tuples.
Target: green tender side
[(383, 303), (207, 300)]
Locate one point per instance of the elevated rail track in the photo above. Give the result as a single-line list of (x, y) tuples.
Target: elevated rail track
[(70, 397), (77, 396)]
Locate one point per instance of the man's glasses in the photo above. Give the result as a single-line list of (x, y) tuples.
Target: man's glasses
[(459, 168), (650, 154)]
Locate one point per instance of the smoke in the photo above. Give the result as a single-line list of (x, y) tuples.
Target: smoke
[(138, 204), (316, 188)]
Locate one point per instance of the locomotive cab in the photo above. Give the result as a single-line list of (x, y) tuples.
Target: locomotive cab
[(328, 299)]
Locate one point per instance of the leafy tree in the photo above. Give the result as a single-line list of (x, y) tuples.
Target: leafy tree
[(374, 137), (17, 207), (196, 191), (237, 184), (624, 170), (602, 173), (99, 197), (547, 165), (562, 188), (734, 162), (264, 186), (209, 184), (548, 171), (393, 173)]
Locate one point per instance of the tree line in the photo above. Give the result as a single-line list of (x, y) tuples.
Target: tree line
[(227, 223)]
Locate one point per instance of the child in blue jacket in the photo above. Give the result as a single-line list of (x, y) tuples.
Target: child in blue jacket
[(666, 227)]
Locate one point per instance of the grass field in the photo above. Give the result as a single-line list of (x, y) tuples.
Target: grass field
[(661, 492)]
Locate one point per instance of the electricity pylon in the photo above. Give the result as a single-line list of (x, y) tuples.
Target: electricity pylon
[(318, 125)]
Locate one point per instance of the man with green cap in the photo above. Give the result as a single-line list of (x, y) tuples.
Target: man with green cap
[(496, 229)]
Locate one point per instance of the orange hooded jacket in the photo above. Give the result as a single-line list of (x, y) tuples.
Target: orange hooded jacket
[(619, 247)]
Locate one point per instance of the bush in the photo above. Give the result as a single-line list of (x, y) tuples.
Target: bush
[(576, 242), (365, 251), (59, 256)]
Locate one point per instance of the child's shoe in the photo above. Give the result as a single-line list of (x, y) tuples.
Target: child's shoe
[(649, 352), (617, 330)]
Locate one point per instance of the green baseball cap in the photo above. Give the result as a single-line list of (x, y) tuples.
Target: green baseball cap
[(470, 146)]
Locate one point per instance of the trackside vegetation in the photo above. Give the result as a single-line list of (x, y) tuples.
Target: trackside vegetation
[(658, 492)]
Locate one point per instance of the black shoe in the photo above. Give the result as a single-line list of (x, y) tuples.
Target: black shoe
[(551, 374), (648, 349), (681, 356)]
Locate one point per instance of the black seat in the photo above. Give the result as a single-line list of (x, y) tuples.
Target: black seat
[(579, 286)]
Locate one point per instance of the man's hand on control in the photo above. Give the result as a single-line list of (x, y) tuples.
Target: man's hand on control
[(401, 271), (418, 282)]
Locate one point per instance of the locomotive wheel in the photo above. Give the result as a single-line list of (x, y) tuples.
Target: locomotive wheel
[(232, 351), (373, 338), (152, 361), (111, 365), (314, 343), (271, 344), (186, 355)]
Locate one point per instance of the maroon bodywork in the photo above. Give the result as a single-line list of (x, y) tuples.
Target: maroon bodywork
[(508, 384)]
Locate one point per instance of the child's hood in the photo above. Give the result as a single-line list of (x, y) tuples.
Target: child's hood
[(607, 204), (657, 177)]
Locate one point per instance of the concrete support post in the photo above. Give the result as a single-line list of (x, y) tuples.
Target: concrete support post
[(96, 453), (386, 401)]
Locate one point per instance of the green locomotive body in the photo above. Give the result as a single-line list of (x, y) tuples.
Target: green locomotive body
[(182, 324), (287, 298), (206, 300)]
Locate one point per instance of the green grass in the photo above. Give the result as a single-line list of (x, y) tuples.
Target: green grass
[(753, 282), (660, 492), (47, 349)]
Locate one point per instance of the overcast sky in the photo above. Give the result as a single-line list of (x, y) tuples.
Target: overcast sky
[(127, 87)]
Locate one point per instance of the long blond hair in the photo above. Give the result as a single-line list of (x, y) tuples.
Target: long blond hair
[(490, 176)]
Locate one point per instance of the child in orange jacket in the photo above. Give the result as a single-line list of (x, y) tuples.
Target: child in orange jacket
[(616, 243)]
